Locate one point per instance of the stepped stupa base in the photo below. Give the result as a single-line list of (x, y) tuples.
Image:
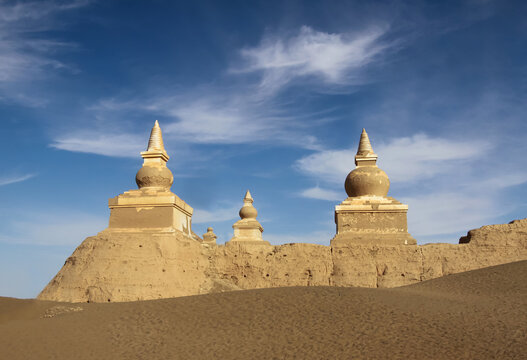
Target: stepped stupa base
[(150, 209), (379, 220)]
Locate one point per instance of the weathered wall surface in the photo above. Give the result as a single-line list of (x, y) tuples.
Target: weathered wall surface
[(140, 266), (129, 267)]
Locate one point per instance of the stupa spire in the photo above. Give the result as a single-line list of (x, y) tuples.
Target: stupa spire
[(155, 152), (365, 155), (248, 197), (156, 139), (364, 144)]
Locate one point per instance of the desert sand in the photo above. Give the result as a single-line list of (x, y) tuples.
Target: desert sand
[(480, 314)]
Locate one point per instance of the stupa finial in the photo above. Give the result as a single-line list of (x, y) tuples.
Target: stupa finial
[(156, 139), (365, 154), (248, 197)]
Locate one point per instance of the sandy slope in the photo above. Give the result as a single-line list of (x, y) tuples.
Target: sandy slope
[(480, 314)]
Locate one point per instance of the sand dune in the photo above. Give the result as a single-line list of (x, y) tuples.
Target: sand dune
[(480, 314)]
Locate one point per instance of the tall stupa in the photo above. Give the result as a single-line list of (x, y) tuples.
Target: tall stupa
[(148, 250), (152, 207), (368, 215)]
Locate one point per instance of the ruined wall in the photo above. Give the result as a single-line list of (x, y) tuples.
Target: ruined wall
[(140, 266), (129, 266)]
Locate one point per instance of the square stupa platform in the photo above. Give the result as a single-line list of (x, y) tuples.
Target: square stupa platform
[(372, 220), (149, 210)]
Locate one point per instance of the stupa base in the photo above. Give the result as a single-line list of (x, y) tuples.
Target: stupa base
[(146, 209)]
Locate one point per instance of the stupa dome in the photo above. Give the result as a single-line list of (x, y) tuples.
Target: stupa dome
[(367, 179), (154, 177)]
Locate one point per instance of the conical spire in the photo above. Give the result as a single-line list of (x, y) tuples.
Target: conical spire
[(364, 144), (365, 154), (155, 143), (248, 198), (155, 153)]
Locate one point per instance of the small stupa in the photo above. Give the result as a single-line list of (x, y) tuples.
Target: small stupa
[(153, 207), (368, 215), (248, 229), (209, 237)]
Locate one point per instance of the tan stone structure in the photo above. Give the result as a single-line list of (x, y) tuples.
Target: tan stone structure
[(150, 252), (209, 237), (248, 230), (368, 215), (153, 207)]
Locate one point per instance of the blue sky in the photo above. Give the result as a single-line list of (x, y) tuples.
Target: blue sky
[(269, 96)]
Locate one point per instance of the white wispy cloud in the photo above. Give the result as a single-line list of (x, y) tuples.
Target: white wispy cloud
[(25, 56), (449, 212), (247, 112), (202, 216), (6, 180), (331, 58), (24, 10), (207, 116), (322, 194), (117, 145), (233, 119)]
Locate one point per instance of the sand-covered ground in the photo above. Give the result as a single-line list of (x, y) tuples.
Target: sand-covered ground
[(480, 314)]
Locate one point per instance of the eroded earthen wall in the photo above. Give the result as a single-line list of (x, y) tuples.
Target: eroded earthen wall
[(139, 266), (249, 267)]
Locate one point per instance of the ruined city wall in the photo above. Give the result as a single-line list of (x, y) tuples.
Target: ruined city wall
[(142, 266)]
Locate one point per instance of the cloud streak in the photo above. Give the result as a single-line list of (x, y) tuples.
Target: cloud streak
[(6, 180), (202, 216), (321, 194), (92, 142), (24, 56), (250, 111), (337, 59)]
